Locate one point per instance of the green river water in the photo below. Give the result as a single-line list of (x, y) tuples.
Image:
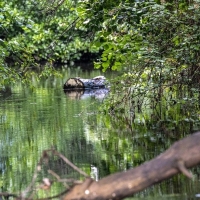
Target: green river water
[(32, 120)]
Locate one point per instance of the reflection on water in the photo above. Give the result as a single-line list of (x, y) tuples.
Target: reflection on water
[(32, 120), (87, 93)]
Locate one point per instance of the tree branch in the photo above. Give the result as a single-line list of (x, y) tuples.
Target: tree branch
[(180, 156)]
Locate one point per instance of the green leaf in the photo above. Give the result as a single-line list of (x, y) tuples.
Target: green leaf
[(104, 58), (105, 64)]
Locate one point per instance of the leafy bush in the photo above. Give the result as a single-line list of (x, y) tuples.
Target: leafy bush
[(34, 32), (154, 44)]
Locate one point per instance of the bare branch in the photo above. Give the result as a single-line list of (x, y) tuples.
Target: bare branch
[(70, 163), (180, 156)]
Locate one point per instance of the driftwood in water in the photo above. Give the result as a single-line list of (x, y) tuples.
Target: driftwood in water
[(180, 156), (80, 83)]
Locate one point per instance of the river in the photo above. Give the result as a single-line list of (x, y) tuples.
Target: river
[(33, 119)]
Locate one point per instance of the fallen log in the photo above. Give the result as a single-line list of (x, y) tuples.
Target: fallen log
[(180, 156), (80, 83)]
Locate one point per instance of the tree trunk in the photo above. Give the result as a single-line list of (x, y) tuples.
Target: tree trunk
[(180, 156)]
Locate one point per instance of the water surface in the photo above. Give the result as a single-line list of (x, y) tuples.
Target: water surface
[(44, 117)]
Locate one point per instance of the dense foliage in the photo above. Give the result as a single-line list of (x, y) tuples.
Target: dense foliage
[(35, 33), (145, 34), (155, 44)]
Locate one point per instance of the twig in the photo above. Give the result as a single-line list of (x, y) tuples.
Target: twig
[(70, 163), (183, 169), (44, 159), (63, 180), (58, 178)]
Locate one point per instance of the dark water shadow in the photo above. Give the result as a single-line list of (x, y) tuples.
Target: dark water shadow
[(87, 93)]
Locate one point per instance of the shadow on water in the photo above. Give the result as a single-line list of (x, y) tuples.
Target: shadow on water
[(6, 92), (99, 143), (99, 94)]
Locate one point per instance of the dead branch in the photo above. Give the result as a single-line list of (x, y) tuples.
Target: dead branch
[(29, 192), (70, 163), (180, 156)]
